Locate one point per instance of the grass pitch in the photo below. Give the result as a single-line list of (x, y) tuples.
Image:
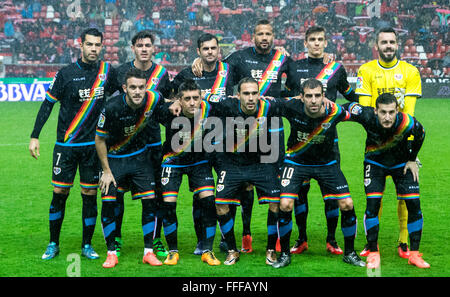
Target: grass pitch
[(25, 195)]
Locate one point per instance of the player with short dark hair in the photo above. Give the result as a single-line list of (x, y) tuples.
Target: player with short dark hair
[(81, 88), (249, 158), (388, 152), (142, 45), (181, 157), (216, 79), (266, 65), (121, 144), (334, 79), (309, 155)]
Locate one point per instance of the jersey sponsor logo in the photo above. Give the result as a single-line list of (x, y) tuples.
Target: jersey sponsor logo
[(359, 82)]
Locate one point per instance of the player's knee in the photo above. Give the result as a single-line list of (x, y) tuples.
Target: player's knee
[(286, 204), (346, 204), (274, 207), (205, 194), (59, 190), (222, 209), (85, 191)]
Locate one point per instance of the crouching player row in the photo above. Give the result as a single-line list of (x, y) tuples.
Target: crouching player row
[(388, 152), (121, 143)]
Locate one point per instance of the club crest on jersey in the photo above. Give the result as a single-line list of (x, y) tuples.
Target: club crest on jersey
[(223, 73), (276, 63), (326, 125), (285, 182), (328, 71), (398, 76), (367, 181), (102, 76), (164, 181), (155, 80), (56, 170), (214, 98), (148, 113), (220, 187)]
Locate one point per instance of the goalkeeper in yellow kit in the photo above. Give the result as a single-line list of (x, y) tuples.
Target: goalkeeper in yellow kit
[(390, 75)]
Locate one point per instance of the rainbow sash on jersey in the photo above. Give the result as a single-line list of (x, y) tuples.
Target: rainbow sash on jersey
[(404, 127), (221, 77), (274, 66), (155, 77), (304, 145), (262, 113), (88, 105), (205, 107), (328, 71), (152, 101)]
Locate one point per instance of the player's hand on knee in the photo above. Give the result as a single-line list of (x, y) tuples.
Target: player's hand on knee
[(412, 166), (105, 181), (34, 148)]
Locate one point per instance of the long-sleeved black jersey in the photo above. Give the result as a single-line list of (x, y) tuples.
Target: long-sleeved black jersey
[(81, 90), (388, 147)]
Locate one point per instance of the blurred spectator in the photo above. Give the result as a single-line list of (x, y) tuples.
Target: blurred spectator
[(446, 59), (125, 29), (9, 29), (55, 27)]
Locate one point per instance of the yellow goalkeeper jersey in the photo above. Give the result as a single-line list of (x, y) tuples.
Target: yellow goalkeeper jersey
[(398, 77)]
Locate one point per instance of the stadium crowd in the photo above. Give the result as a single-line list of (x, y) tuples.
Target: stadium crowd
[(37, 34)]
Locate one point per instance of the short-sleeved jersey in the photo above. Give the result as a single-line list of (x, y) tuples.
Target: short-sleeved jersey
[(81, 89), (184, 137), (332, 75), (267, 69), (388, 147), (219, 81), (402, 80), (124, 127), (311, 140), (246, 136)]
